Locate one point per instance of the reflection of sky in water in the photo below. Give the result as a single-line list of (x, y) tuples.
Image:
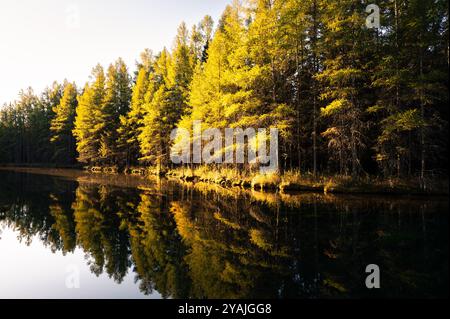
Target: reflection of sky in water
[(35, 272)]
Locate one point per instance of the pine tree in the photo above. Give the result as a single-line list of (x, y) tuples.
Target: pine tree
[(201, 36), (36, 113), (62, 126), (410, 88), (131, 124), (346, 48), (89, 120), (116, 104), (166, 100)]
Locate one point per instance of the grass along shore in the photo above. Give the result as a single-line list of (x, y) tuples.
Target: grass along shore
[(293, 181)]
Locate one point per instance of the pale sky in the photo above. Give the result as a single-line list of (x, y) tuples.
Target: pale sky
[(27, 270), (46, 40)]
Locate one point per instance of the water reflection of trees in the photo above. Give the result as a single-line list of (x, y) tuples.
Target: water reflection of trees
[(202, 241), (99, 232), (26, 210)]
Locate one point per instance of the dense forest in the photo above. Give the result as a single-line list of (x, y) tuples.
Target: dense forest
[(346, 99)]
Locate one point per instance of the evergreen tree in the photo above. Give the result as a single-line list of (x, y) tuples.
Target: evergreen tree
[(116, 104), (346, 47), (62, 126), (411, 89), (89, 120), (166, 100), (131, 123)]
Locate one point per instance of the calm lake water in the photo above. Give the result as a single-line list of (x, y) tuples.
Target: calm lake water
[(69, 234)]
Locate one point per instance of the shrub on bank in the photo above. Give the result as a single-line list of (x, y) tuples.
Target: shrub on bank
[(290, 181)]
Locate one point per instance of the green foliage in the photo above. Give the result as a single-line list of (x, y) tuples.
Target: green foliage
[(62, 125), (130, 124), (165, 100), (89, 118), (25, 127), (116, 104), (100, 107), (346, 99)]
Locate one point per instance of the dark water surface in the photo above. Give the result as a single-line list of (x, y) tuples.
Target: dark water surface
[(68, 234)]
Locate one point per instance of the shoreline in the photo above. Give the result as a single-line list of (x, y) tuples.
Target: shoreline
[(288, 183)]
